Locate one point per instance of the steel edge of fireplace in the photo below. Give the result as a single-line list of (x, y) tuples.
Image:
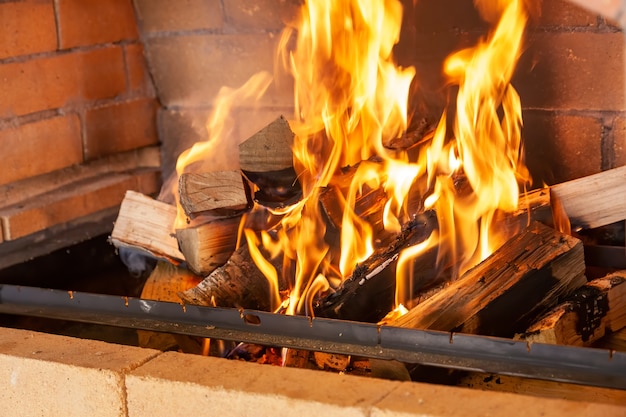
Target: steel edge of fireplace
[(586, 366)]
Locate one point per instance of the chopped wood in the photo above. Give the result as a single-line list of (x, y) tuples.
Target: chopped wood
[(208, 245), (266, 159), (369, 293), (68, 202), (595, 200), (163, 284), (614, 341), (500, 296), (296, 358), (220, 193), (373, 282), (147, 225), (589, 313), (331, 361), (269, 149), (238, 283)]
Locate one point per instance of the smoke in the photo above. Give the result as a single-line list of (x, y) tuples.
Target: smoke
[(139, 265)]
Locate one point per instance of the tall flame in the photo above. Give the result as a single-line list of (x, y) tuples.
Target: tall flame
[(350, 104), (487, 147)]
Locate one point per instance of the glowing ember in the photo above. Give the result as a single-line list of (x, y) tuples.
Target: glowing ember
[(351, 103)]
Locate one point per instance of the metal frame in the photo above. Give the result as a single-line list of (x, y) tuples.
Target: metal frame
[(595, 367)]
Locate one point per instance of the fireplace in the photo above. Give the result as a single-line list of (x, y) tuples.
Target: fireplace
[(146, 74)]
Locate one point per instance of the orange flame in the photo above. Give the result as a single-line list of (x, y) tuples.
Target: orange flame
[(350, 103), (219, 128)]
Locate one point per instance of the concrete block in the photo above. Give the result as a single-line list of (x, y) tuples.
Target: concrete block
[(178, 384), (412, 399), (46, 375)]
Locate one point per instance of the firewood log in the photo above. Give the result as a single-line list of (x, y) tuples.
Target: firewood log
[(527, 276), (238, 283), (595, 200), (163, 284), (266, 159), (588, 314), (368, 294), (209, 245), (220, 193), (147, 225)]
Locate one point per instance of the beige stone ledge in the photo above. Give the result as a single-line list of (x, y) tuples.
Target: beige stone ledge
[(47, 375)]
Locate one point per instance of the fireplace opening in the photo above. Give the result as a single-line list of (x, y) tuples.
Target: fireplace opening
[(141, 86)]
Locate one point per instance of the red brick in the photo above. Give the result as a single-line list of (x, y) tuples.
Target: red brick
[(22, 147), (608, 8), (139, 80), (190, 70), (619, 142), (566, 13), (576, 70), (52, 82), (27, 27), (561, 148), (260, 15), (443, 16), (95, 21), (166, 15), (120, 127), (65, 204)]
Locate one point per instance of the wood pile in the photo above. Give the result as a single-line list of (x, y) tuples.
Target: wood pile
[(534, 287)]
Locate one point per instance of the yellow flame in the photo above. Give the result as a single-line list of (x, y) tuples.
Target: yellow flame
[(489, 146), (350, 102), (219, 132)]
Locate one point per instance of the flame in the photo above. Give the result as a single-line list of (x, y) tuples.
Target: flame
[(220, 131), (350, 104)]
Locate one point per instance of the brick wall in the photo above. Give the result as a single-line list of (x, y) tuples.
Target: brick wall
[(77, 104), (194, 51), (570, 78)]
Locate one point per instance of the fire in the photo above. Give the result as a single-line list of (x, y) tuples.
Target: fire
[(219, 128), (350, 105)]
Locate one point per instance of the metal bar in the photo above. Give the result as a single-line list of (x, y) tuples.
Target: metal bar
[(585, 366)]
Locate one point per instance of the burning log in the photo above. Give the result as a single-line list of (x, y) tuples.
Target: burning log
[(267, 161), (219, 193), (597, 308), (595, 200), (238, 283), (500, 296), (209, 245), (368, 295), (147, 225)]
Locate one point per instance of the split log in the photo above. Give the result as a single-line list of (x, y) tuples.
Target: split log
[(500, 296), (266, 159), (595, 200), (238, 283), (332, 361), (593, 310), (147, 225), (220, 193), (208, 245), (163, 284), (368, 294), (613, 341)]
